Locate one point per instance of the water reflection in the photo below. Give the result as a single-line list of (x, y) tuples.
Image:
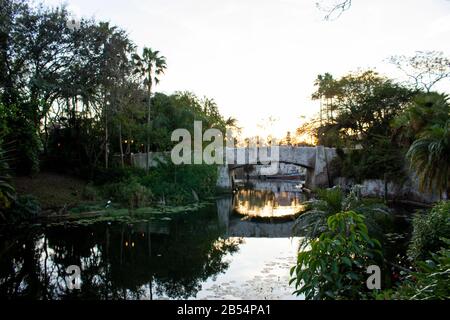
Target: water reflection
[(212, 253), (269, 200), (117, 261)]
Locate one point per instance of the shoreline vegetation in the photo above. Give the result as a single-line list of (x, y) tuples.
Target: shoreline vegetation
[(68, 199), (77, 100), (65, 197)]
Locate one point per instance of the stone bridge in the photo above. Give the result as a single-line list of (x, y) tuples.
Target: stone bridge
[(316, 161)]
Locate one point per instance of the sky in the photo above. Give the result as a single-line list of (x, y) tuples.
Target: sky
[(259, 58)]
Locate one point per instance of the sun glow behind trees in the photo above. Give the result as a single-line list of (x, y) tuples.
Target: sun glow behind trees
[(220, 49)]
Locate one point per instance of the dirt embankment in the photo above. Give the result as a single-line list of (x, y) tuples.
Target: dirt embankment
[(51, 189)]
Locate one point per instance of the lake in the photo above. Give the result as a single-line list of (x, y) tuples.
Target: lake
[(240, 248)]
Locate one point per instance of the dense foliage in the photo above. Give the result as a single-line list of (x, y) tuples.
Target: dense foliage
[(324, 272), (79, 94), (365, 111), (313, 222), (426, 124), (432, 279), (357, 108), (428, 231), (356, 112), (77, 98), (166, 184), (7, 192), (335, 266)]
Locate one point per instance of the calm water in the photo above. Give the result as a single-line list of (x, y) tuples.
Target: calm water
[(216, 253), (223, 252)]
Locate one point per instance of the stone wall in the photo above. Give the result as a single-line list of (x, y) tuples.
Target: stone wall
[(409, 190), (224, 179), (139, 160)]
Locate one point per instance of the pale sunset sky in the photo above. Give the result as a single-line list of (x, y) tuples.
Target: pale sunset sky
[(259, 58)]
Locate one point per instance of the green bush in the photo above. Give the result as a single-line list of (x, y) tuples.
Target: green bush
[(169, 184), (313, 221), (384, 161), (25, 207), (138, 195), (104, 176), (428, 230), (90, 192), (130, 193), (7, 191), (175, 184), (20, 130), (431, 281), (335, 266)]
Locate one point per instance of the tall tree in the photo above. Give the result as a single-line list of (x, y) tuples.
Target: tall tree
[(327, 91), (150, 66), (425, 69), (359, 106), (115, 71)]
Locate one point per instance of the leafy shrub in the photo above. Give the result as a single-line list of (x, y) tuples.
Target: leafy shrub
[(175, 184), (130, 193), (20, 129), (428, 231), (25, 207), (336, 264), (138, 195), (7, 192), (431, 281), (332, 201), (384, 161), (104, 176), (170, 184), (90, 192)]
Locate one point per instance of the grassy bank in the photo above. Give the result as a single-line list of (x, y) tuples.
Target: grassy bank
[(115, 195)]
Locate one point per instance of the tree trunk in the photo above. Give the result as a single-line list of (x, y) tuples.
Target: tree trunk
[(444, 193), (45, 135), (321, 110), (121, 146), (147, 165), (106, 132)]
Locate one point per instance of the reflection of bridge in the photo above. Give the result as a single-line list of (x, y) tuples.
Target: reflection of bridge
[(316, 160), (236, 227)]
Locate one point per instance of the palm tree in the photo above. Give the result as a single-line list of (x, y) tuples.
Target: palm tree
[(150, 66), (313, 222), (429, 157), (231, 122), (327, 90), (425, 110)]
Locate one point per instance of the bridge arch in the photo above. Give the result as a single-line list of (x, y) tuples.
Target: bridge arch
[(238, 166), (316, 160)]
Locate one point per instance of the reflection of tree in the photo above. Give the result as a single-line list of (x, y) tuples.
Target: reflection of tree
[(118, 261), (205, 259)]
